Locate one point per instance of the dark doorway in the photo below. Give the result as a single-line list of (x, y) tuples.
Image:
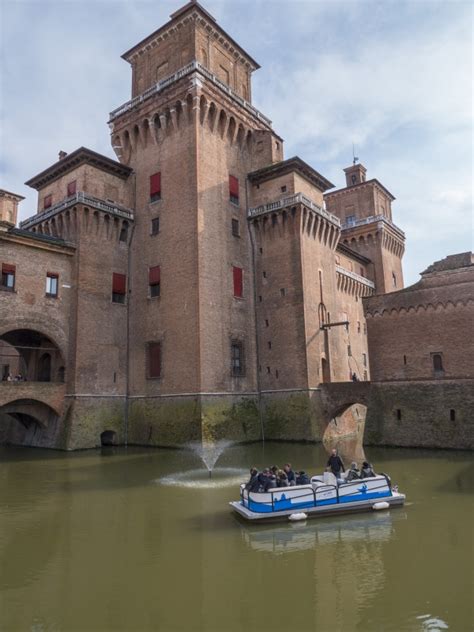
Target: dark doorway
[(108, 438), (44, 368), (325, 372)]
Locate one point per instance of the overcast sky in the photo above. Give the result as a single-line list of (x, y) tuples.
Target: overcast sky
[(393, 77)]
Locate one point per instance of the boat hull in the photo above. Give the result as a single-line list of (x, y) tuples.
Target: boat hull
[(395, 500)]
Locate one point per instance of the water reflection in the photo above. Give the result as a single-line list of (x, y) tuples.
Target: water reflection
[(289, 537)]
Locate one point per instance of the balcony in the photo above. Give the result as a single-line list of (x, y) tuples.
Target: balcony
[(297, 198), (355, 277), (78, 198), (372, 219), (194, 66)]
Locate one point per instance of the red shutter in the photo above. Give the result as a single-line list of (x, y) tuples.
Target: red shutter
[(154, 275), (119, 282), (238, 284), (155, 184), (48, 201), (71, 188), (8, 268), (234, 187), (154, 359)]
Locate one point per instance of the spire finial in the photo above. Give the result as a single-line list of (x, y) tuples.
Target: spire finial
[(354, 157)]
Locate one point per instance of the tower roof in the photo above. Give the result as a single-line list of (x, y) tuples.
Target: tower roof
[(73, 160), (286, 166), (191, 10)]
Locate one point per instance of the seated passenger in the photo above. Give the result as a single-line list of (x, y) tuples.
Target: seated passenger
[(290, 474), (353, 474), (302, 478), (367, 470), (253, 483), (262, 479), (282, 479), (271, 482)]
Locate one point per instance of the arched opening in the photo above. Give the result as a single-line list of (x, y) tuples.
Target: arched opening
[(24, 422), (437, 363), (44, 368), (28, 355), (348, 421), (108, 438)]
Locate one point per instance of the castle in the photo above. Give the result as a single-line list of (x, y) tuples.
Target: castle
[(199, 286)]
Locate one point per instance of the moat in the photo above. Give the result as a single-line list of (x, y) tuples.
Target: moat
[(141, 539)]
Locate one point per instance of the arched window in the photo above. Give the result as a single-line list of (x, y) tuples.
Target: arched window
[(44, 368), (437, 362)]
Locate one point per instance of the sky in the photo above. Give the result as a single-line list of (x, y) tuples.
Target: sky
[(393, 77)]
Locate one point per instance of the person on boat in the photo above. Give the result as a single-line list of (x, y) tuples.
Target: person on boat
[(262, 479), (290, 474), (336, 465), (253, 483), (302, 478), (353, 474), (271, 482), (367, 470), (282, 479)]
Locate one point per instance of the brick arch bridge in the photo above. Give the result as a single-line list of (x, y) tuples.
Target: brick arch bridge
[(336, 397)]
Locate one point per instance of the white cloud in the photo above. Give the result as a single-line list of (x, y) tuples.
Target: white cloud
[(395, 78)]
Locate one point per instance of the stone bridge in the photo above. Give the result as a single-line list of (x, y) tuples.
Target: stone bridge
[(336, 397)]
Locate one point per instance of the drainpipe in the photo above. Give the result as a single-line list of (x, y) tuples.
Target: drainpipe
[(254, 273), (127, 349)]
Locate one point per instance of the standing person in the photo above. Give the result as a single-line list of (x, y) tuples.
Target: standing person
[(290, 474), (354, 377), (336, 465)]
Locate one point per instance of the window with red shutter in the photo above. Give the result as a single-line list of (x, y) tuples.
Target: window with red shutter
[(119, 285), (154, 281), (238, 282), (154, 359), (234, 189), (8, 276), (155, 187), (48, 201), (71, 188)]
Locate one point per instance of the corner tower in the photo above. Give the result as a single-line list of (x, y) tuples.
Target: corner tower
[(365, 210)]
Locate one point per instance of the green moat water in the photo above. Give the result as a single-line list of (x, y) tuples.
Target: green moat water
[(115, 540)]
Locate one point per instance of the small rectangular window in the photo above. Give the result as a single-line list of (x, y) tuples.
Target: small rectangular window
[(399, 414), (283, 189), (238, 282), (267, 323), (269, 344), (364, 359), (264, 274), (349, 350), (155, 226), (154, 360), (71, 188), (452, 414), (259, 299), (123, 236), (235, 227), (237, 358), (155, 187), (8, 276), (282, 291), (119, 285), (358, 326), (154, 281), (48, 201), (52, 285), (233, 189), (350, 219)]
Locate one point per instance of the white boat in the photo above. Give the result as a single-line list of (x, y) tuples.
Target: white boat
[(323, 496)]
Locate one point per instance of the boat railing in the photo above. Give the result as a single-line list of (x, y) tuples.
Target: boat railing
[(314, 490)]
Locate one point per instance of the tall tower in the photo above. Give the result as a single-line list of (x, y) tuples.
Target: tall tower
[(191, 136), (365, 210)]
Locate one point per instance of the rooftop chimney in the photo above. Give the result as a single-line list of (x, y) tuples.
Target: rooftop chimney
[(62, 154)]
